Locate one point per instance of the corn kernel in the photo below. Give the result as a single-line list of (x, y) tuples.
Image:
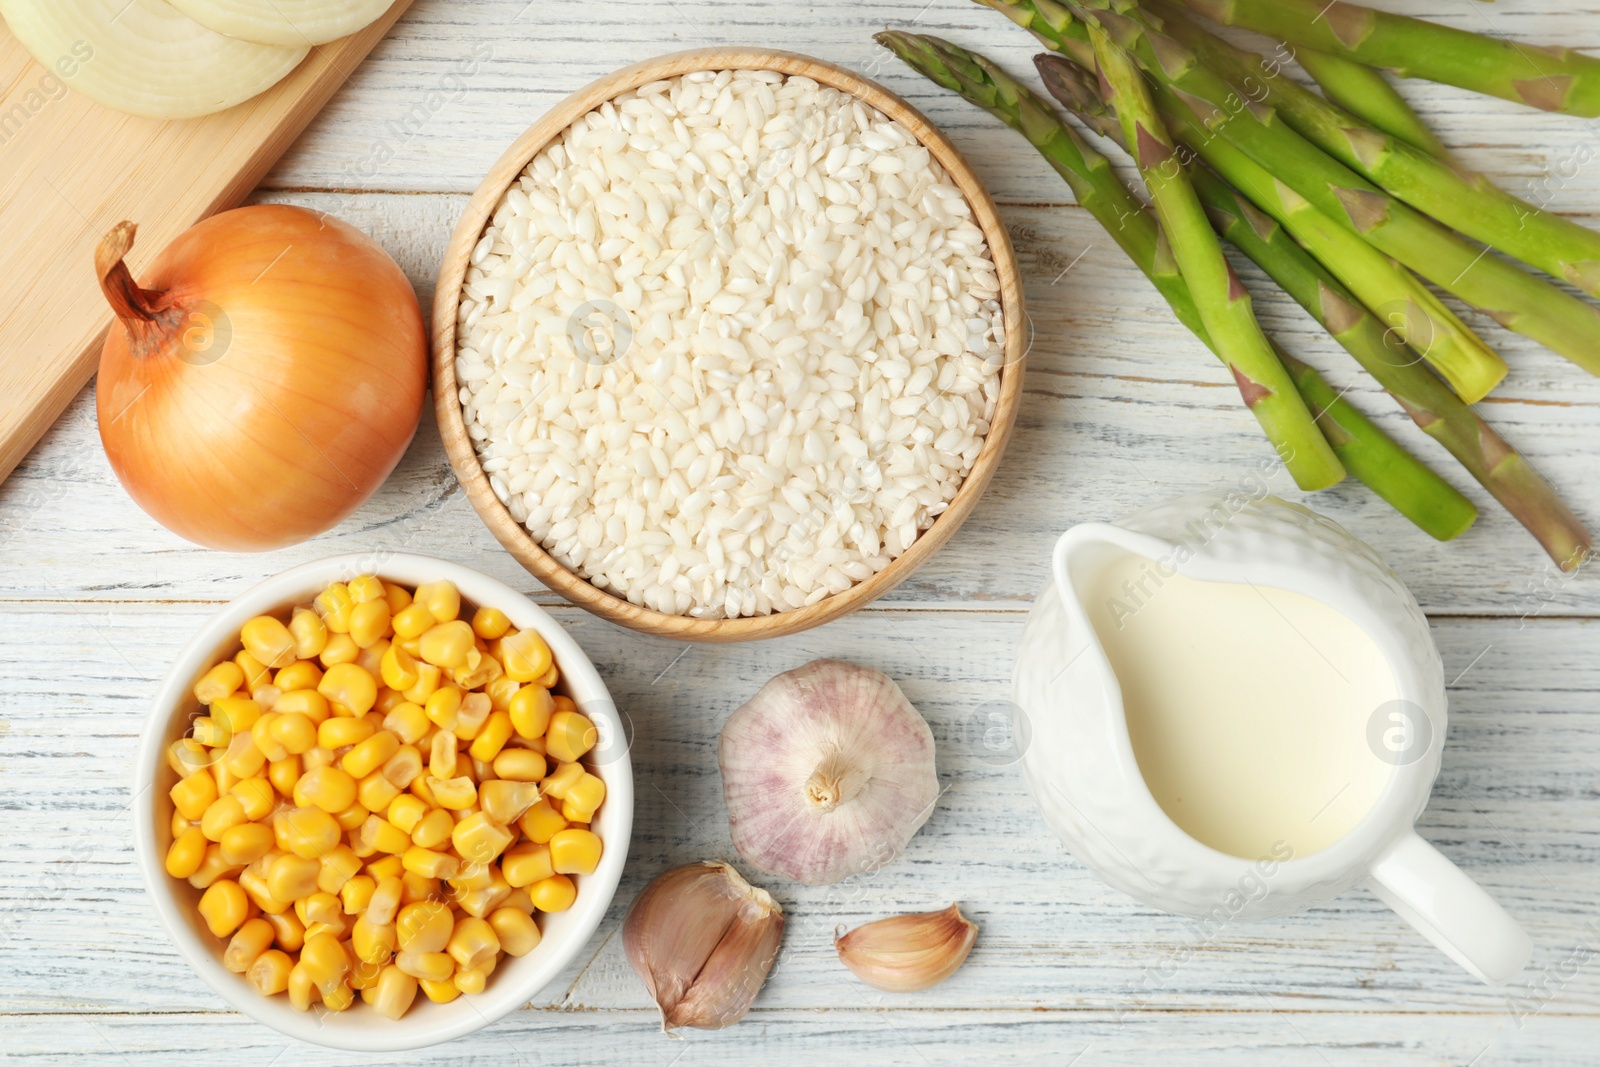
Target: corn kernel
[(243, 759), (480, 902), (245, 843), (325, 961), (479, 839), (493, 737), (328, 788), (308, 832), (428, 677), (404, 767), (407, 721), (210, 733), (380, 835), (225, 778), (255, 887), (516, 930), (269, 641), (375, 792), (256, 796), (302, 991), (289, 933), (442, 991), (292, 877), (446, 645), (352, 817), (296, 733), (406, 811), (541, 822), (500, 691), (490, 623), (255, 674), (456, 794), (526, 864), (365, 588), (363, 975), (519, 899), (506, 800), (340, 649), (413, 621), (284, 773), (569, 736), (470, 981), (369, 623), (194, 794), (309, 632), (186, 853), (262, 737), (186, 755), (473, 943), (338, 867), (318, 908), (474, 714), (549, 678), (531, 708), (385, 866), (442, 755), (398, 668), (385, 902), (415, 887), (442, 599), (392, 995), (444, 707), (424, 926), (519, 765), (372, 943), (334, 604), (426, 966), (398, 596), (224, 907), (555, 893), (388, 700), (343, 730), (301, 674), (562, 779), (433, 829), (575, 851), (356, 894), (428, 863), (420, 790), (369, 755), (524, 655), (349, 685), (315, 757), (269, 973), (583, 798), (220, 681)]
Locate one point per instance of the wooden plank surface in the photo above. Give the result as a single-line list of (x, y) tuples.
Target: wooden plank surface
[(1121, 410), (71, 169)]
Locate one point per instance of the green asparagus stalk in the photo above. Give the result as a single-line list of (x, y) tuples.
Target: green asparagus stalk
[(1460, 199), (1515, 298), (1366, 93), (1547, 77), (1390, 290), (1488, 457), (1224, 304), (1373, 457)]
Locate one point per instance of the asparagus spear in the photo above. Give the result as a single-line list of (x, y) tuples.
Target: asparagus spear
[(1489, 458), (1547, 77), (1365, 92), (1224, 304), (1371, 455), (1460, 199), (1515, 298)]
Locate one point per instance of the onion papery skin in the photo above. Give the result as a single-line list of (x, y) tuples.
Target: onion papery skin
[(280, 383)]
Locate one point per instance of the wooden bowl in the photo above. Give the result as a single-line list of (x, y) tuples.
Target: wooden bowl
[(452, 427)]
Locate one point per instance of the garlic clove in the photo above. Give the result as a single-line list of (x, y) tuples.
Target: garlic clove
[(908, 952), (828, 771), (702, 939)]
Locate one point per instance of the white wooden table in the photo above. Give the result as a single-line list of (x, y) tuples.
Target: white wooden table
[(1122, 408)]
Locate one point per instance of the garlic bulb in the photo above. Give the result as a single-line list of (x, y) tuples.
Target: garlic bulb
[(826, 772), (908, 952), (702, 939)]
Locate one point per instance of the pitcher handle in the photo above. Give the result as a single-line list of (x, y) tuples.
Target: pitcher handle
[(1450, 909)]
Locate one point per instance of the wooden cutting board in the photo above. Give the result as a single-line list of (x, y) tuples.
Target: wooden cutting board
[(71, 169)]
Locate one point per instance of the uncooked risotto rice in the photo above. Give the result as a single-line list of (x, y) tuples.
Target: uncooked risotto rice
[(729, 344)]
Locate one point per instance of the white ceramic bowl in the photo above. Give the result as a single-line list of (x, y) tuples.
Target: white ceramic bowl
[(360, 1029)]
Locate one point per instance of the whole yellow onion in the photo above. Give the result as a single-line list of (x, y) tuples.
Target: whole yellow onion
[(265, 382)]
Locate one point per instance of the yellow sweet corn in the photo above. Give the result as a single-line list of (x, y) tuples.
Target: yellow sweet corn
[(519, 765), (541, 822), (517, 932), (428, 863), (392, 994), (583, 798), (269, 972), (328, 788), (224, 907), (569, 736), (269, 641), (220, 681), (288, 931), (473, 943), (526, 864), (370, 623), (555, 893), (186, 853), (479, 839), (245, 843), (560, 781), (575, 851), (309, 632), (375, 792), (524, 655), (506, 800), (370, 755), (493, 736)]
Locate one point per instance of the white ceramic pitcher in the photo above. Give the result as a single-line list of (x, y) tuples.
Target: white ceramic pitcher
[(1080, 763)]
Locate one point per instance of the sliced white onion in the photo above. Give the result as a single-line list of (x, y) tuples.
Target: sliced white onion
[(145, 57), (292, 23)]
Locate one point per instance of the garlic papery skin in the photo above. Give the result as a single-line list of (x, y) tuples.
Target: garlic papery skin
[(908, 952), (702, 939), (826, 772)]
